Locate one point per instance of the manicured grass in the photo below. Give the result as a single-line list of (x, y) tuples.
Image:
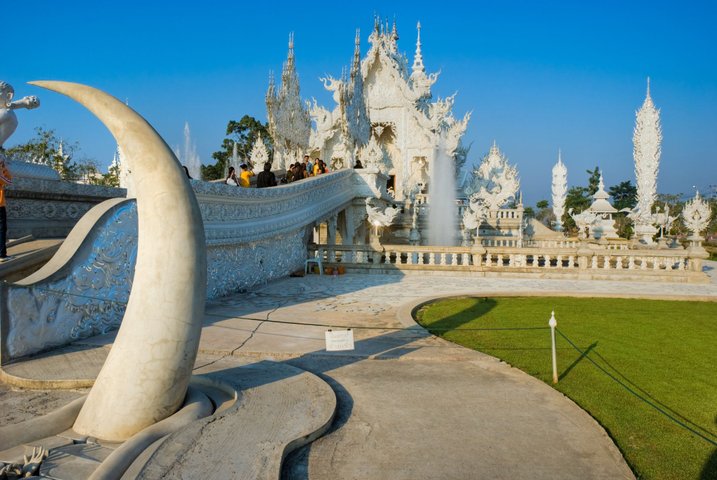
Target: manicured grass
[(666, 351)]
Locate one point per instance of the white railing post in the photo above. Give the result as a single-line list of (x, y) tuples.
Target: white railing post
[(553, 323)]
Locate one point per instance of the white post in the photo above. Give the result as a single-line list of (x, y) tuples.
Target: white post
[(553, 323)]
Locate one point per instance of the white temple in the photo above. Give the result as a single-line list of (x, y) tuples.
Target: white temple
[(382, 98)]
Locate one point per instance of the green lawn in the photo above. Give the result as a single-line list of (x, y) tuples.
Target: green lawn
[(665, 351)]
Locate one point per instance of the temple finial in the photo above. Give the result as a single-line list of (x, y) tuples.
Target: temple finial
[(418, 57), (648, 86), (560, 156), (357, 54)]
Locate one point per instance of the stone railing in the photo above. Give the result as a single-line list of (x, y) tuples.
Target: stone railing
[(563, 243), (235, 215), (581, 262), (50, 208)]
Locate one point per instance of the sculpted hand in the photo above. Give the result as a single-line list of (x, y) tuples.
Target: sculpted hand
[(29, 102), (32, 465)]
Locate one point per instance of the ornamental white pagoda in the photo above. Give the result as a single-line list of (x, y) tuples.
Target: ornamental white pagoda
[(647, 140), (383, 98), (604, 225), (492, 186), (495, 182), (559, 190), (289, 122)]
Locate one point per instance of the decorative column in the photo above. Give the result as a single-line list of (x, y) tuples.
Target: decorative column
[(559, 190), (647, 140), (331, 230)]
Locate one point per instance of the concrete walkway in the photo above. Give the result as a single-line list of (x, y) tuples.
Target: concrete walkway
[(409, 405)]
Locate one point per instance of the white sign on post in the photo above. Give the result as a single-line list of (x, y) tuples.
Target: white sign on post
[(337, 340)]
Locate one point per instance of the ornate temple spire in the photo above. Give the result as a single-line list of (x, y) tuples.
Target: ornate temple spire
[(271, 91), (559, 190), (647, 140), (289, 70), (356, 65), (289, 121), (418, 57)]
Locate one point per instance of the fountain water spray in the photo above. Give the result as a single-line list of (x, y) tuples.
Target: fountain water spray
[(442, 221), (189, 157)]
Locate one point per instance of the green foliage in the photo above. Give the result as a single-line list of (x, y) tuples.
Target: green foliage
[(45, 146), (580, 198), (624, 195), (593, 181), (543, 213), (662, 350), (576, 200), (528, 212), (244, 134)]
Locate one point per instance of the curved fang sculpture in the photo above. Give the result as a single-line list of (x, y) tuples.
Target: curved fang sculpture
[(146, 375)]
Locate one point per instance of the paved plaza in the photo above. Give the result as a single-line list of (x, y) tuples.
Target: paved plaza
[(408, 404)]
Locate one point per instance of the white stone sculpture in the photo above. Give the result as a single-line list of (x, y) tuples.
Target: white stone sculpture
[(259, 154), (289, 120), (147, 371), (559, 190), (585, 222), (8, 119), (373, 157), (29, 468), (647, 139), (473, 217), (663, 221), (495, 182), (696, 215), (378, 217)]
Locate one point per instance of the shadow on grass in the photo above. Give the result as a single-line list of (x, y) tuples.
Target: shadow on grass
[(577, 360), (654, 400), (709, 470), (453, 322)]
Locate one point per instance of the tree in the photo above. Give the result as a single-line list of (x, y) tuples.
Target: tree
[(47, 148), (624, 195), (593, 181), (244, 133), (579, 199), (544, 214)]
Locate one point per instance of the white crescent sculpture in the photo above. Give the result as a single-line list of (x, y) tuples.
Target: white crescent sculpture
[(146, 375)]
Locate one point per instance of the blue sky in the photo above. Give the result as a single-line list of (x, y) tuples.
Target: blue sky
[(537, 76)]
